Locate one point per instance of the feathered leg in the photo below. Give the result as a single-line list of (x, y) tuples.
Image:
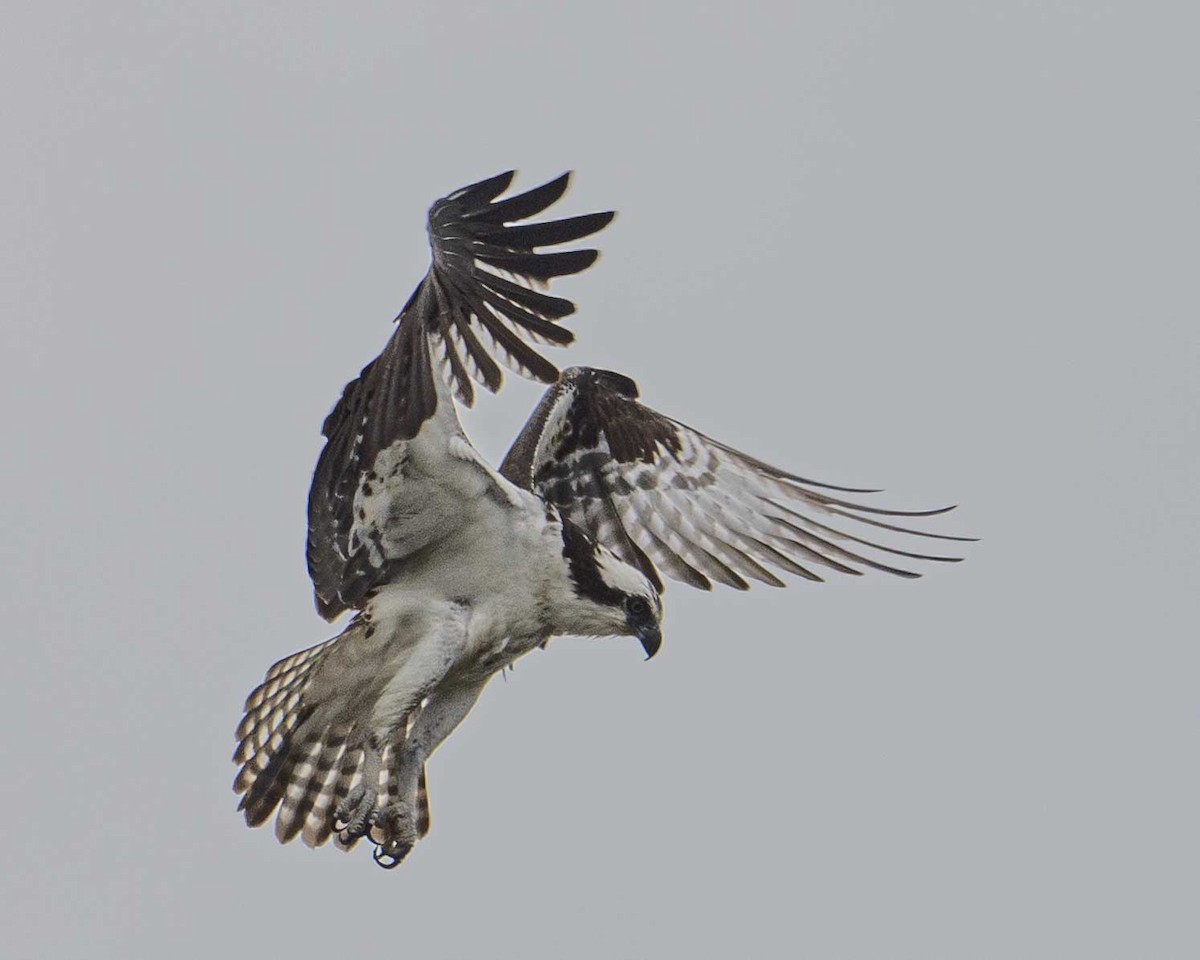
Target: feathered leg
[(353, 815), (423, 669), (397, 828)]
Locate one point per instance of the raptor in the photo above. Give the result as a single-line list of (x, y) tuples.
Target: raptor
[(453, 569)]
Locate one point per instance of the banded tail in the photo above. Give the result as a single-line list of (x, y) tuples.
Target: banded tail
[(297, 760)]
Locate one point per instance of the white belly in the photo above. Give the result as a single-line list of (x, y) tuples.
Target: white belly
[(498, 570)]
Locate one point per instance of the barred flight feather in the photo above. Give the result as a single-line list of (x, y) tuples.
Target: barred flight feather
[(481, 305), (660, 494)]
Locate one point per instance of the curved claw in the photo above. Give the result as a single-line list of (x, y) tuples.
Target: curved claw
[(396, 826), (391, 854)]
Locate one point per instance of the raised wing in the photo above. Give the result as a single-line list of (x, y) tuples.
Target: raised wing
[(485, 285), (663, 495)]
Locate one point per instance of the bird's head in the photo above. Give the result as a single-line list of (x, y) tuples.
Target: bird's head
[(609, 597)]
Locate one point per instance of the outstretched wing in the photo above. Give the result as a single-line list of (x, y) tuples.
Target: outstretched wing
[(661, 494), (483, 286)]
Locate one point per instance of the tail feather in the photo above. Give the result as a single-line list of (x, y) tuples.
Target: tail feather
[(297, 780), (265, 774), (422, 804), (317, 813), (300, 765), (278, 770)]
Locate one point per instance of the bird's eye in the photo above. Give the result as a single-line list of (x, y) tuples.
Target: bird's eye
[(637, 606)]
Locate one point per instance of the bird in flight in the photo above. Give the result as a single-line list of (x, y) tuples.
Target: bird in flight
[(454, 569)]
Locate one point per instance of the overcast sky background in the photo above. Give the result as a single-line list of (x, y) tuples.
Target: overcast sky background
[(945, 248)]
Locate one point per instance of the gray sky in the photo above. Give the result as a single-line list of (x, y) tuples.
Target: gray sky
[(945, 248)]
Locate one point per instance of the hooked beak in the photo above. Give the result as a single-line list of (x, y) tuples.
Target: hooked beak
[(650, 636)]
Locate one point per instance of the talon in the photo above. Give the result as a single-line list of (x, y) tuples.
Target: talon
[(391, 854), (396, 823)]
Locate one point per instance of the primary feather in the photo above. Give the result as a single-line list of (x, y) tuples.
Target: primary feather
[(664, 496), (464, 296)]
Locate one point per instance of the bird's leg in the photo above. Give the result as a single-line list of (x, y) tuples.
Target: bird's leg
[(424, 664), (357, 811), (443, 712)]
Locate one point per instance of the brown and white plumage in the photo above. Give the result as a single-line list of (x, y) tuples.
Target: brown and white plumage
[(455, 570), (452, 570)]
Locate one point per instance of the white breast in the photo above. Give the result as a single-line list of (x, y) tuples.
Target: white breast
[(500, 566)]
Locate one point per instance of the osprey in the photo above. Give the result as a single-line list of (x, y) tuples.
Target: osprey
[(454, 569)]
